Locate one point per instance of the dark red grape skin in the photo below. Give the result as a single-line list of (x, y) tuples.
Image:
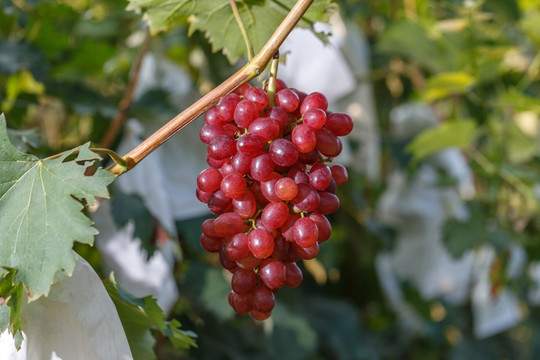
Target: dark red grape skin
[(314, 100), (257, 96), (222, 147), (283, 152), (261, 243), (305, 232), (243, 281), (339, 172), (245, 205), (209, 180), (275, 214), (236, 247), (245, 112), (293, 275), (339, 123), (273, 273), (263, 299)]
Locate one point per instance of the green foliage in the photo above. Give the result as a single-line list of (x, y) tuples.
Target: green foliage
[(217, 21), (457, 134), (12, 296), (41, 205), (140, 317)]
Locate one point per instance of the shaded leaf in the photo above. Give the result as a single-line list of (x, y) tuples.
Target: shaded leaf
[(446, 84), (449, 134), (41, 211), (411, 40), (140, 316)]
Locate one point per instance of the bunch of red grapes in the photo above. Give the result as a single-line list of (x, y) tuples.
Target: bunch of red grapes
[(270, 184)]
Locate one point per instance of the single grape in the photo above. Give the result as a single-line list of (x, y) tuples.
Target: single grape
[(288, 100), (209, 132), (243, 281), (314, 118), (265, 128), (212, 117), (203, 196), (261, 243), (283, 152), (228, 224), (210, 244), (328, 144), (261, 167), (207, 228), (245, 204), (339, 123), (246, 111), (209, 180), (236, 247), (314, 100), (219, 203), (233, 185), (320, 176), (286, 189), (251, 145), (274, 215), (241, 163), (273, 273), (279, 115), (305, 232), (304, 138), (339, 173), (240, 303), (329, 203), (307, 198), (227, 105), (262, 299), (257, 96), (222, 147), (324, 228), (293, 275)]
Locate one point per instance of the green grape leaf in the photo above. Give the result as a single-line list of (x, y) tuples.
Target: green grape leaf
[(449, 134), (11, 297), (446, 84), (40, 207), (139, 316), (216, 19)]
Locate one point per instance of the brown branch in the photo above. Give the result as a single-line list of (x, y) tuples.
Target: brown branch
[(127, 99), (248, 72)]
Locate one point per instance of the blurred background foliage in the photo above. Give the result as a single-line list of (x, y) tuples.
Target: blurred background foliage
[(64, 67)]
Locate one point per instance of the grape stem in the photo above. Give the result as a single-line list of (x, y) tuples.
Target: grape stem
[(271, 91), (242, 27), (251, 70)]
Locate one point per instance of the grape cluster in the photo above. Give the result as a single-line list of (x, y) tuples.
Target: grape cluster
[(271, 187)]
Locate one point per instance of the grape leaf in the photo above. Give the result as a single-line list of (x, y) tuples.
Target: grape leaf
[(40, 207), (449, 134), (217, 21), (139, 316)]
